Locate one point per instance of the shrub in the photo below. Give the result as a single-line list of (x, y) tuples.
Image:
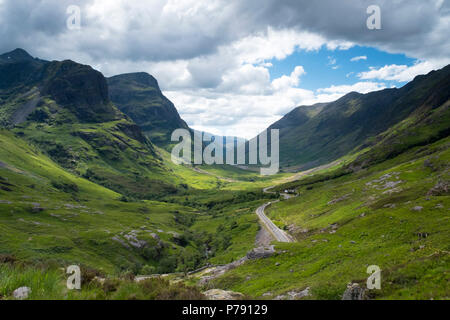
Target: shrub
[(68, 187)]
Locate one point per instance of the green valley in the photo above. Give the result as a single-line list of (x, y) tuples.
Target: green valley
[(86, 179)]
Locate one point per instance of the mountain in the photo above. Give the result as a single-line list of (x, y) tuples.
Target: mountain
[(138, 95), (25, 82), (314, 135), (64, 108), (80, 182)]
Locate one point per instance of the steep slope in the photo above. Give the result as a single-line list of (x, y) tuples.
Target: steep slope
[(48, 213), (64, 108), (394, 214), (314, 135), (138, 96), (386, 205)]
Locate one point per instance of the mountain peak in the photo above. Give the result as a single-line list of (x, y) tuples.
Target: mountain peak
[(15, 55), (137, 78), (138, 96)]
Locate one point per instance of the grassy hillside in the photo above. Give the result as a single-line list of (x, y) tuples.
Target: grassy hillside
[(48, 213), (394, 214)]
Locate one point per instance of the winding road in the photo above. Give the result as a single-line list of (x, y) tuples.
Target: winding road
[(278, 234)]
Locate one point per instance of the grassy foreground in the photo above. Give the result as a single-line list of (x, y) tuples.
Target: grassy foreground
[(394, 215)]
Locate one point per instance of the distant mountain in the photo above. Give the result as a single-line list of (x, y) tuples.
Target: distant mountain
[(314, 135), (138, 95)]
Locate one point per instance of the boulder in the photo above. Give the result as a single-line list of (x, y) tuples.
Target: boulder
[(294, 295), (22, 293), (217, 294), (261, 252), (354, 292), (440, 189)]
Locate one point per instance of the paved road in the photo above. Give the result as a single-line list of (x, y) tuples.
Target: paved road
[(279, 234)]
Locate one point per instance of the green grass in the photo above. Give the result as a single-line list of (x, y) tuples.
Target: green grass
[(373, 227), (76, 226), (49, 283)]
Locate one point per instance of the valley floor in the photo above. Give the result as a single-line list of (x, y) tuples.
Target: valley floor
[(394, 215)]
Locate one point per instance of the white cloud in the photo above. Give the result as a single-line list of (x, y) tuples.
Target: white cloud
[(285, 82), (246, 115), (402, 73), (358, 58), (212, 57)]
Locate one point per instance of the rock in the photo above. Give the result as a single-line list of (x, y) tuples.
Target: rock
[(440, 189), (22, 293), (299, 295), (353, 242), (261, 252), (344, 197), (417, 208), (116, 238), (393, 190), (439, 206), (267, 294), (134, 241), (294, 295), (214, 272), (217, 294), (391, 184), (36, 208), (277, 264), (155, 236), (354, 292)]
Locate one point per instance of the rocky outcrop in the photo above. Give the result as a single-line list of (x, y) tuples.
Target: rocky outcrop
[(354, 292), (261, 252), (217, 294), (294, 295), (139, 97), (440, 189), (79, 88), (217, 271)]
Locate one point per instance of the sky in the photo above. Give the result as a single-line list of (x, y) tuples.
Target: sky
[(234, 67)]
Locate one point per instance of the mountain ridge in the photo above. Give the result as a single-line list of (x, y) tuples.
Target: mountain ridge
[(138, 95), (347, 123)]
